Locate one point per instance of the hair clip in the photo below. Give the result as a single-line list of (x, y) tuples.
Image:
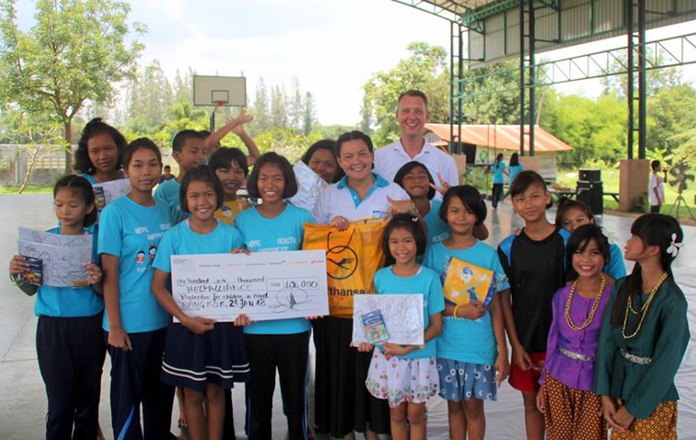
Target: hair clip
[(415, 219), (674, 247)]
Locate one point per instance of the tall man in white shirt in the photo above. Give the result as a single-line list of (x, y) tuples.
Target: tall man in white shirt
[(412, 114)]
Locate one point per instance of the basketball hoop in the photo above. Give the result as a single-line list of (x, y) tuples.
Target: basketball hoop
[(219, 103)]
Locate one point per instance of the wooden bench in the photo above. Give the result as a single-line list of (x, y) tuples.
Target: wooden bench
[(556, 194), (613, 195)]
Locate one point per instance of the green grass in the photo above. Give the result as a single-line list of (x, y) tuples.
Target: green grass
[(610, 180), (29, 189)]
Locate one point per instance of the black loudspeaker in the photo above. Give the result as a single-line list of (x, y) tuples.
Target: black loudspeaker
[(590, 175), (591, 194)]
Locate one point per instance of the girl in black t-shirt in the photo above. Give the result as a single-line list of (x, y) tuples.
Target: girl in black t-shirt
[(533, 260)]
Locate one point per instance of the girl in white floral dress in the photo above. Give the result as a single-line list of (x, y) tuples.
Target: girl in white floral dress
[(406, 375)]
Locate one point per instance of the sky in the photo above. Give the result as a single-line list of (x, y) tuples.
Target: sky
[(332, 47)]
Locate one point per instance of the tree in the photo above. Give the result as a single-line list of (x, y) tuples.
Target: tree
[(75, 52), (37, 137), (595, 129), (491, 95), (149, 96), (670, 113), (656, 79), (261, 120), (309, 119), (425, 70), (279, 108)]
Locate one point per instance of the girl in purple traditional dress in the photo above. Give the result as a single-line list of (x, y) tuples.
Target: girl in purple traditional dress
[(570, 407)]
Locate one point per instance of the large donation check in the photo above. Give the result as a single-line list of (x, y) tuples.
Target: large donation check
[(262, 285)]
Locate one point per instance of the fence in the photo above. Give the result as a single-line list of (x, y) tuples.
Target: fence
[(48, 167)]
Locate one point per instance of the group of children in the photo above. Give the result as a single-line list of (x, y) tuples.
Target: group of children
[(591, 348)]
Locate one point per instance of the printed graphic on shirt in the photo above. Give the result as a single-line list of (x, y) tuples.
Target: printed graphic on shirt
[(145, 257)]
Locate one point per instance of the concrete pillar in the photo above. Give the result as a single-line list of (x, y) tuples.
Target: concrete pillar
[(634, 175)]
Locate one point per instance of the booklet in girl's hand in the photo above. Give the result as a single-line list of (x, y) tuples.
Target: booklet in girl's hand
[(464, 282), (34, 275), (375, 328)]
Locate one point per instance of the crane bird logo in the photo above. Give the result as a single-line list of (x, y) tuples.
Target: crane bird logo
[(341, 260)]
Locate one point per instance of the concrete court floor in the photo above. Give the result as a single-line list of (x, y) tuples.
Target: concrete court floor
[(23, 401)]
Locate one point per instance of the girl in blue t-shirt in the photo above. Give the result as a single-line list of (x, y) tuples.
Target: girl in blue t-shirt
[(201, 355), (130, 229), (418, 183), (472, 353), (70, 348), (99, 152), (498, 168), (571, 214), (283, 344), (406, 375)]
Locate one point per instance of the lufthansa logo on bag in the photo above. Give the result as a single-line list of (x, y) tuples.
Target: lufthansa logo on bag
[(341, 262)]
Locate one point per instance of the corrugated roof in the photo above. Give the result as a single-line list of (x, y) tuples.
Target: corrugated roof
[(504, 137)]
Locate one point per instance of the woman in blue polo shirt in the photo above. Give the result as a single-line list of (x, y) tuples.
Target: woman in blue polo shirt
[(343, 404)]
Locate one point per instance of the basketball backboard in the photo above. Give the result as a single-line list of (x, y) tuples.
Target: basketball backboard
[(229, 91)]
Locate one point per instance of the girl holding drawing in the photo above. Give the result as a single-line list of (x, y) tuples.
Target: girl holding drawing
[(406, 375), (571, 410), (282, 344), (70, 348), (99, 151), (471, 351), (130, 230), (644, 335), (200, 355)]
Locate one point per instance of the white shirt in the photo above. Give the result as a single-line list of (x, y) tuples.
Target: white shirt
[(340, 199), (656, 182), (390, 158)]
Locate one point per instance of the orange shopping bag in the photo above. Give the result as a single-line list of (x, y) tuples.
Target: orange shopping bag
[(352, 258)]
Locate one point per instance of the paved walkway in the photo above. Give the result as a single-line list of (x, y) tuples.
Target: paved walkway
[(23, 402)]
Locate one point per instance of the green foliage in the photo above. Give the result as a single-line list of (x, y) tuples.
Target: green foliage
[(671, 116), (478, 178), (488, 96), (150, 95), (426, 70), (686, 151), (595, 129), (287, 142), (75, 52), (640, 203)]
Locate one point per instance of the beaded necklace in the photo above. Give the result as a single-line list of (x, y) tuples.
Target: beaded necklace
[(593, 310), (643, 309)]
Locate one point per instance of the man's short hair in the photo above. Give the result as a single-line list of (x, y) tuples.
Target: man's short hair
[(413, 93)]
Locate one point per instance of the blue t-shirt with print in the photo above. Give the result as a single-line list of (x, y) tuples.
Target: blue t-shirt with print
[(182, 240), (425, 282), (132, 232), (69, 302), (468, 340), (168, 192), (281, 233), (438, 230)]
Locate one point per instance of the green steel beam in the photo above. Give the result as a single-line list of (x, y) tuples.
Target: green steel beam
[(448, 10), (474, 16), (667, 52)]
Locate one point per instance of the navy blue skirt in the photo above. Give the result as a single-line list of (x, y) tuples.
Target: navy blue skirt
[(218, 356)]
